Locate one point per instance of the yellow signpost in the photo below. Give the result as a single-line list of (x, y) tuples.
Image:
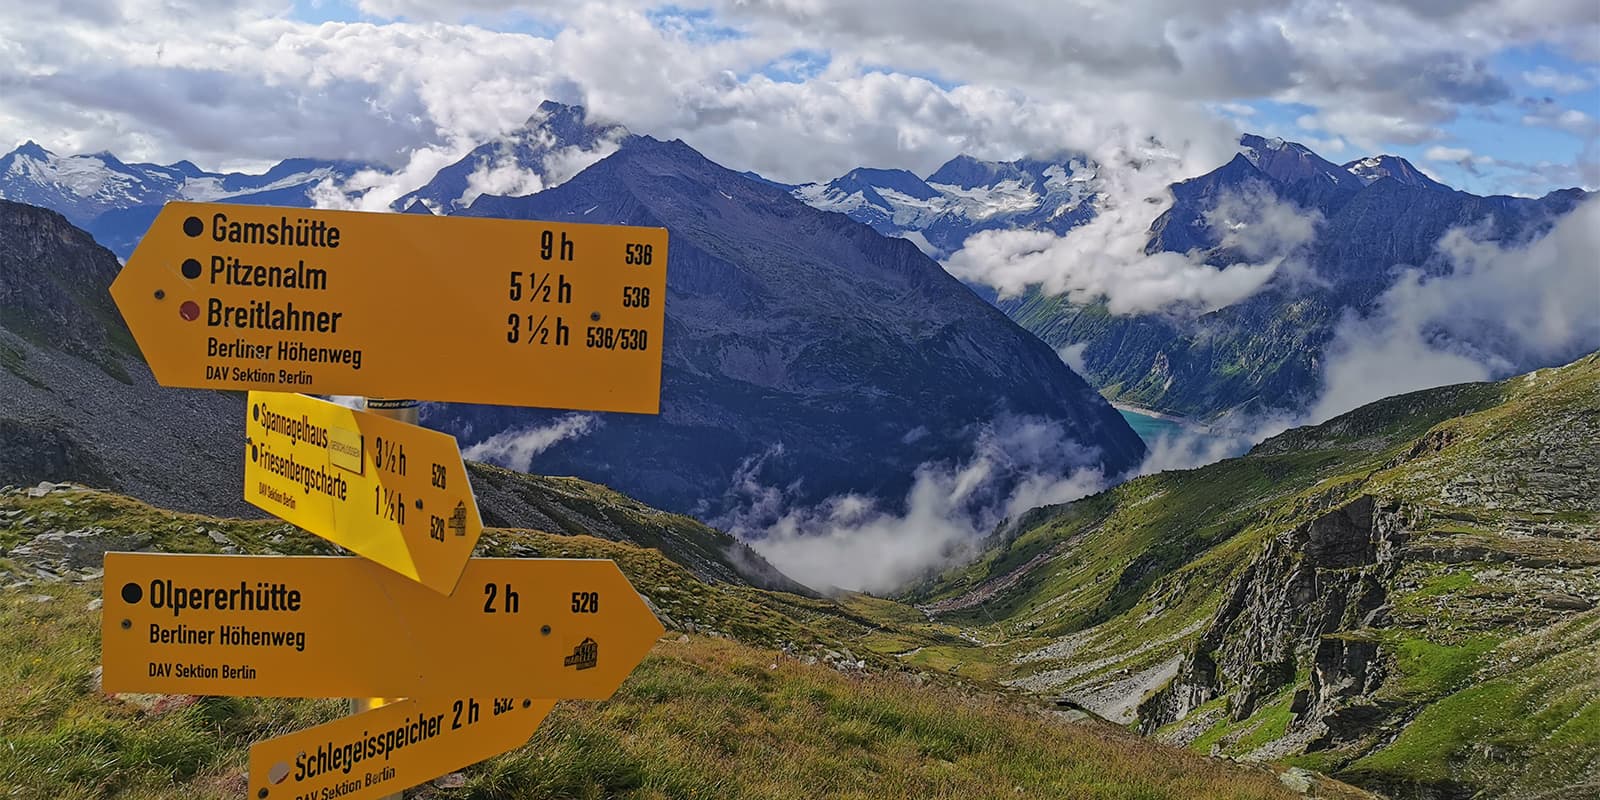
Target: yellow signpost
[(391, 492), (380, 752), (286, 300), (459, 309), (309, 626)]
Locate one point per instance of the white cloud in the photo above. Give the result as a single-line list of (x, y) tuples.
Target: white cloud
[(1503, 309), (1194, 446), (516, 448), (1546, 113), (1072, 356), (1105, 259), (851, 542), (500, 177), (232, 84), (1550, 79), (1447, 154)]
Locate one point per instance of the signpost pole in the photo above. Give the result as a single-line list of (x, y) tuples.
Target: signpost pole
[(401, 411)]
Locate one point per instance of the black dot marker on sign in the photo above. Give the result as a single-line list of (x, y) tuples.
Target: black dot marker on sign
[(191, 269), (252, 453), (131, 593), (255, 412), (193, 227)]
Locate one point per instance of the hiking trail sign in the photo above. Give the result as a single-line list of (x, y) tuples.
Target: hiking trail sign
[(392, 747), (461, 309), (279, 301), (329, 626), (383, 489)]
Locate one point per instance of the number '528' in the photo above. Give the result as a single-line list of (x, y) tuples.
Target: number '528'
[(638, 254)]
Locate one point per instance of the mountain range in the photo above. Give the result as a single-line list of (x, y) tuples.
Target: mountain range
[(1406, 596), (1264, 354), (1373, 216), (557, 142), (805, 353), (961, 198), (800, 339)]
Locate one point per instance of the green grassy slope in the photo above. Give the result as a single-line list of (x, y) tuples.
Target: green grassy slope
[(746, 706), (1486, 617)]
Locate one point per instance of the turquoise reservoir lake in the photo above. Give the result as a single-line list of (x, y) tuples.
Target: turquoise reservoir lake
[(1148, 427)]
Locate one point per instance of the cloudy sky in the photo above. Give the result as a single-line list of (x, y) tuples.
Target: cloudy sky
[(1489, 95)]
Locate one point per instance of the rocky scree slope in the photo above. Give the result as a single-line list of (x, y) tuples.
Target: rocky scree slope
[(1402, 596), (76, 401)]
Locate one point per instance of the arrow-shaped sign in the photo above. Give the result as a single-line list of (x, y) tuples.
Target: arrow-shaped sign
[(391, 748), (392, 492), (400, 305), (310, 626)]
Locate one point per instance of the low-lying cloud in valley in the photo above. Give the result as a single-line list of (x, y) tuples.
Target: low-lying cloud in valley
[(516, 448), (1502, 310), (852, 542), (1104, 260)]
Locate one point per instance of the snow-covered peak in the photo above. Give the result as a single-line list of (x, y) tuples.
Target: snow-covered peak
[(80, 187), (962, 197), (896, 180), (1292, 162), (1374, 168)]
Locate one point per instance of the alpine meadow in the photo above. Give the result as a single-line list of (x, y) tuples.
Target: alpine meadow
[(519, 400)]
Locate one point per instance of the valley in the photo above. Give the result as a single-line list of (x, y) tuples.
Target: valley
[(1166, 605), (752, 691), (1100, 462)]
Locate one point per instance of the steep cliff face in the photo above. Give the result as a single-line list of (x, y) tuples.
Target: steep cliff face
[(52, 286), (1299, 608), (76, 401)]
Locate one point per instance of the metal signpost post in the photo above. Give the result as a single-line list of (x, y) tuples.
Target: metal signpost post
[(407, 412)]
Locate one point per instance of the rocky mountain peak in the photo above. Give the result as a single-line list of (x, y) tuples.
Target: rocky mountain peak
[(1375, 168), (777, 312), (29, 149), (1292, 162), (52, 285), (555, 143)]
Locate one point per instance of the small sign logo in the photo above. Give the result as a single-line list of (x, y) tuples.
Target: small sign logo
[(458, 519), (584, 656)]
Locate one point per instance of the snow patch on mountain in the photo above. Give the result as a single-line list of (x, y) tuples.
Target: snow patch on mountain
[(963, 197)]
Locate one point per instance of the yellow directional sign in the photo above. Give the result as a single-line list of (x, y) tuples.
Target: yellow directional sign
[(394, 493), (400, 305), (394, 747), (309, 626)]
